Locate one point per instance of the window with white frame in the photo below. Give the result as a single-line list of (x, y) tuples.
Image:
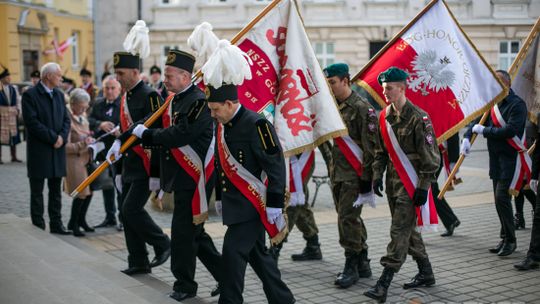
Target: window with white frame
[(325, 53), (75, 50), (508, 50)]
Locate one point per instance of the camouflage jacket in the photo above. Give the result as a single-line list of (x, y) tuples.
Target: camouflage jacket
[(414, 132), (361, 121)]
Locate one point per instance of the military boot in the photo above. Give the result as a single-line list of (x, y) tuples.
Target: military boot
[(380, 290), (349, 276), (312, 251), (424, 277), (364, 270)]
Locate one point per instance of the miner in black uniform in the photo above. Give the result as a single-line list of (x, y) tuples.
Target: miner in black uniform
[(156, 82), (140, 170), (252, 141), (191, 125)]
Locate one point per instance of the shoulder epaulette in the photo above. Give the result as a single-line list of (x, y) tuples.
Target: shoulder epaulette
[(195, 110), (155, 101), (265, 135)]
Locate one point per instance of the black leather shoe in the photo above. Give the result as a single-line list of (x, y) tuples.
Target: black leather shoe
[(120, 227), (106, 223), (60, 230), (160, 258), (497, 248), (507, 249), (136, 270), (451, 228), (180, 296), (215, 291), (527, 264), (40, 225)]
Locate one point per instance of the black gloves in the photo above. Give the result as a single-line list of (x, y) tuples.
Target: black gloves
[(378, 187), (365, 186), (420, 197)]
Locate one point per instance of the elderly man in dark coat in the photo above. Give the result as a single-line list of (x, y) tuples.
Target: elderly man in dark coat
[(47, 121)]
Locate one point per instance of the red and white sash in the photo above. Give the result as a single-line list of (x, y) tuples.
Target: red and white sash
[(352, 152), (426, 215), (250, 186), (443, 147), (190, 161), (299, 171), (125, 123), (523, 162)]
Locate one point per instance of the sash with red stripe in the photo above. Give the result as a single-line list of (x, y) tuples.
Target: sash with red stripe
[(125, 122), (443, 147), (190, 161), (426, 214), (250, 186), (523, 162), (299, 171), (352, 152)]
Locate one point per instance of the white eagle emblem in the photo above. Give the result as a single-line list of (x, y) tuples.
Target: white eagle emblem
[(430, 72)]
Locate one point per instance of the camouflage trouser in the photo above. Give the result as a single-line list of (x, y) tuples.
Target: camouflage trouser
[(352, 232), (303, 218), (403, 235)]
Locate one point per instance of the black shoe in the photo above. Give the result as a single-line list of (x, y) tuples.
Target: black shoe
[(380, 290), (86, 227), (364, 270), (527, 264), (59, 229), (309, 253), (77, 231), (349, 276), (424, 277), (497, 248), (161, 258), (180, 296), (40, 225), (507, 249), (106, 223), (519, 221), (451, 228), (120, 227), (137, 270), (215, 291)]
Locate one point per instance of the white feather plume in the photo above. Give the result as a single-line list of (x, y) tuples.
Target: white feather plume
[(228, 64), (203, 41), (137, 40)]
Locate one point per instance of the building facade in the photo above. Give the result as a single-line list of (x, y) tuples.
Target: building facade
[(33, 33), (350, 31)]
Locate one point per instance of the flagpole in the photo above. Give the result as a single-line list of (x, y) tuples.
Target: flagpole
[(514, 68), (162, 109)]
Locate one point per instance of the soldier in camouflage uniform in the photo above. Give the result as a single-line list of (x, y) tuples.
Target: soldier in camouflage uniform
[(361, 121), (414, 134)]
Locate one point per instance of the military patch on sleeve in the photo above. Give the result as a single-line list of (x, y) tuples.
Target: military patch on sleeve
[(155, 101), (265, 135), (428, 130), (372, 120), (196, 110)]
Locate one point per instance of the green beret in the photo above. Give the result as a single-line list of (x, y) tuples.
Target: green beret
[(336, 69), (393, 74)]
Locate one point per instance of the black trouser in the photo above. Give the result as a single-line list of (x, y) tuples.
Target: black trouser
[(520, 200), (109, 203), (534, 246), (55, 201), (139, 228), (445, 212), (244, 243), (503, 204), (189, 241)]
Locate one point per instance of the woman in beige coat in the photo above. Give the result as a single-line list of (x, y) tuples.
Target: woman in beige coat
[(77, 157)]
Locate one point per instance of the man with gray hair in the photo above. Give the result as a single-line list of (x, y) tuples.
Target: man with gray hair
[(47, 121)]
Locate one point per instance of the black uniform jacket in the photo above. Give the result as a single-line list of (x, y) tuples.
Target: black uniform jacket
[(191, 124), (45, 118), (253, 142)]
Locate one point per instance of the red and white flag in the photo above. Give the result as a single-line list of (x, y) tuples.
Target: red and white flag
[(61, 48), (448, 78), (525, 72), (288, 85)]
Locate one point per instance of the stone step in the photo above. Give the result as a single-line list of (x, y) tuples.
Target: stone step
[(38, 267)]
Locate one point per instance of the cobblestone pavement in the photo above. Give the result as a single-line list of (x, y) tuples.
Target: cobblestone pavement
[(464, 269)]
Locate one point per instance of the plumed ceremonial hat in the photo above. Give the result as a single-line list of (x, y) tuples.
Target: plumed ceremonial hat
[(393, 74), (336, 69), (181, 60)]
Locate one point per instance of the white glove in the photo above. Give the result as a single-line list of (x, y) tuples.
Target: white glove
[(478, 129), (114, 151), (465, 147), (272, 214), (96, 147), (153, 184), (219, 208), (118, 182), (139, 130), (366, 198), (534, 185)]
